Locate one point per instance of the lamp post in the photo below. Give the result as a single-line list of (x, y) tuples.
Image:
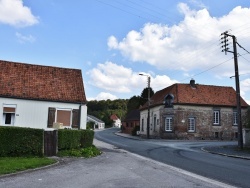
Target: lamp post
[(148, 103)]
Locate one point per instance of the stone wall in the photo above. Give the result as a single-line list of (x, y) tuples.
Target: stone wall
[(204, 128)]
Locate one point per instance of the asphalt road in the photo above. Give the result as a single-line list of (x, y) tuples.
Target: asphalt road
[(186, 155), (115, 168)]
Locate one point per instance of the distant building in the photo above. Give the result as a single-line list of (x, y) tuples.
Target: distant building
[(98, 124), (116, 120), (131, 122), (193, 111), (38, 96)]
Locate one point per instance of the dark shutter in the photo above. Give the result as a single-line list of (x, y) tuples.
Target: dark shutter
[(51, 117), (75, 118)]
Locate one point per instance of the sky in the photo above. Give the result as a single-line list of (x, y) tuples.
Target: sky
[(113, 41)]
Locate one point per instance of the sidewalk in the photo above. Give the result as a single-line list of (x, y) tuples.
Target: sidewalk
[(229, 151)]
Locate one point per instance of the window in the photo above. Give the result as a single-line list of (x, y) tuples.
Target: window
[(235, 118), (9, 112), (168, 124), (168, 100), (216, 117), (191, 124), (68, 117), (142, 125), (154, 122), (63, 116)]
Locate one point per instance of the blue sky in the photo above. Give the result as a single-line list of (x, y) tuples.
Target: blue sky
[(112, 41)]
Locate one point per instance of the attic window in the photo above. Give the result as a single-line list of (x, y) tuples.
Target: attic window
[(168, 100)]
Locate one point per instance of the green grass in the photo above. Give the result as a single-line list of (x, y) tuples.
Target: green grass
[(14, 164), (88, 152)]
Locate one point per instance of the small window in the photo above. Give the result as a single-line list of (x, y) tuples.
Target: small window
[(168, 124), (9, 113), (154, 122), (142, 125), (216, 119), (235, 118), (7, 118), (191, 124)]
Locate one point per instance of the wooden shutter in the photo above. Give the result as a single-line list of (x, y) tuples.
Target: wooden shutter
[(75, 118), (51, 117)]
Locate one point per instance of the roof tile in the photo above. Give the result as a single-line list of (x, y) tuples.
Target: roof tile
[(27, 81)]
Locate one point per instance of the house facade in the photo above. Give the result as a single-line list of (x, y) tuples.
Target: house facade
[(42, 97), (131, 122), (116, 121), (98, 124), (193, 111)]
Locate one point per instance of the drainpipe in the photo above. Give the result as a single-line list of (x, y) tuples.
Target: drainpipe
[(79, 116)]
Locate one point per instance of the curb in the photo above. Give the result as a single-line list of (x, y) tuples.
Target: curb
[(129, 137), (226, 155)]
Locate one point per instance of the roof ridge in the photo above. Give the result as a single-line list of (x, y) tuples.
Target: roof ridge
[(37, 65)]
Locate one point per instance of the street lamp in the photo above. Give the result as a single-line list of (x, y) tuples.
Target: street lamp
[(148, 103)]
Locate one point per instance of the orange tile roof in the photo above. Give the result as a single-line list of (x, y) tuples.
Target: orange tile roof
[(201, 95), (114, 117), (27, 81)]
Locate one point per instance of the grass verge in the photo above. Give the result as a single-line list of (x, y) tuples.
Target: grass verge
[(14, 164), (88, 152)]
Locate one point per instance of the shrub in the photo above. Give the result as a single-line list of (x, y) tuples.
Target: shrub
[(17, 141), (74, 139), (135, 129)]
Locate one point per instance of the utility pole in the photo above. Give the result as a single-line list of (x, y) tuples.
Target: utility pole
[(148, 119), (226, 49), (148, 122)]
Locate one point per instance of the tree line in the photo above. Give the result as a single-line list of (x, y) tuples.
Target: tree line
[(103, 109)]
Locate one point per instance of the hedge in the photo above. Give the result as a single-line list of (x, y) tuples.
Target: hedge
[(74, 139), (17, 141)]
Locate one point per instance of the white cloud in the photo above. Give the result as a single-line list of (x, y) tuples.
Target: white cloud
[(193, 44), (14, 13), (23, 38), (245, 87), (120, 79), (103, 96)]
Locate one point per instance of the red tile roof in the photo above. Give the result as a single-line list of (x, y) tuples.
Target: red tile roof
[(26, 81), (114, 117), (201, 95)]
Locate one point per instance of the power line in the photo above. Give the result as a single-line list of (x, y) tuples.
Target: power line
[(242, 47), (207, 69)]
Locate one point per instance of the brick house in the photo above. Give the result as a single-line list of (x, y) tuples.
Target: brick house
[(193, 111), (131, 121), (41, 96)]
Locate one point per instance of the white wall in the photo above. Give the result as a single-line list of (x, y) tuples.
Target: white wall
[(144, 115), (34, 114)]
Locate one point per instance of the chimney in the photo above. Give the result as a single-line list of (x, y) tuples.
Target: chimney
[(192, 83)]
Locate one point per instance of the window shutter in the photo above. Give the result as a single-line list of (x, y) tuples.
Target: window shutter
[(75, 118), (51, 117)]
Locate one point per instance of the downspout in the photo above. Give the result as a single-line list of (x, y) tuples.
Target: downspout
[(79, 116)]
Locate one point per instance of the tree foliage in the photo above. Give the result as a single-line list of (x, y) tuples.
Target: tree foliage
[(103, 109), (144, 95)]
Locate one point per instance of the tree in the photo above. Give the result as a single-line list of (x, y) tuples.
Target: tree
[(144, 95), (133, 103)]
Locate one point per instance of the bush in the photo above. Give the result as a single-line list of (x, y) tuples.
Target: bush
[(74, 139), (87, 152), (135, 129), (17, 141)]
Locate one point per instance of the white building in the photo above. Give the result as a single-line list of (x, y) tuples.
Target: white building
[(98, 124), (41, 96)]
